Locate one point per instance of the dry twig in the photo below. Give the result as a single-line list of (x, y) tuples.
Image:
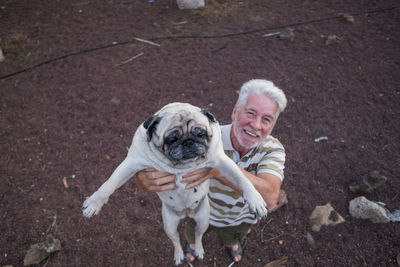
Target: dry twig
[(146, 41), (271, 34), (129, 60), (262, 230)]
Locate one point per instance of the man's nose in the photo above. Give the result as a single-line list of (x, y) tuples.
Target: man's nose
[(256, 123)]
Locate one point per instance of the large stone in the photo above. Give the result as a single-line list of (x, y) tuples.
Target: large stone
[(40, 251), (362, 208), (324, 215)]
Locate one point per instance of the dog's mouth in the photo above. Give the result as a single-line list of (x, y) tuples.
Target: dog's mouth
[(186, 150)]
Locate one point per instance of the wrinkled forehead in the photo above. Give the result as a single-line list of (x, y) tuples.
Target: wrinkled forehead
[(182, 118)]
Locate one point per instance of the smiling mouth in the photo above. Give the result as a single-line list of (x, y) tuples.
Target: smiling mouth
[(250, 133)]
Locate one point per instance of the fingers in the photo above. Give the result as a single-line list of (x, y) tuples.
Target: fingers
[(164, 187), (196, 177), (151, 180), (194, 184)]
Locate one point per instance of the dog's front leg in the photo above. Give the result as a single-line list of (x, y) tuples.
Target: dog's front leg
[(233, 173), (121, 175), (171, 222), (202, 221)]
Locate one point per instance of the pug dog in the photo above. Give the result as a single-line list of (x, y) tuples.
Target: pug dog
[(178, 139)]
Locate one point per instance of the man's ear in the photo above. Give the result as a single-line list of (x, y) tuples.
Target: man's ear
[(208, 114), (151, 125), (233, 113)]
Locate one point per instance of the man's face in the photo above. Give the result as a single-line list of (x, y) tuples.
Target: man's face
[(253, 122)]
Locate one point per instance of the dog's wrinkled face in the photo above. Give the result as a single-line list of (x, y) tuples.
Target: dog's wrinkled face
[(182, 144), (181, 133)]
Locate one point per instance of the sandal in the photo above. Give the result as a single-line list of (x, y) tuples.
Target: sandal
[(233, 253), (189, 250)]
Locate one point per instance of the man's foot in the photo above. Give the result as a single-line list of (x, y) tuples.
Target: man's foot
[(189, 252), (235, 252)]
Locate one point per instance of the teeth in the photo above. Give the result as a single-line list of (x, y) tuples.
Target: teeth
[(249, 133)]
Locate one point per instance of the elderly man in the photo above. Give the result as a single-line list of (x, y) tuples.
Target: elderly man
[(261, 157)]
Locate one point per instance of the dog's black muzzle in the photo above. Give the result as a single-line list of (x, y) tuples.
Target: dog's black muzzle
[(187, 150)]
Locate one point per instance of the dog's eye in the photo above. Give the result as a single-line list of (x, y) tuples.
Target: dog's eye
[(172, 137), (199, 132)]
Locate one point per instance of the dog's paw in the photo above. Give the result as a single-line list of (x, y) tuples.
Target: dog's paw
[(178, 256), (256, 204), (199, 252), (92, 205)]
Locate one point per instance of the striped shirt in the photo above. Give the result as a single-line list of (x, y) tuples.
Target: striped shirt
[(227, 206)]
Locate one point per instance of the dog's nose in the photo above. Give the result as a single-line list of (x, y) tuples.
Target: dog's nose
[(188, 142)]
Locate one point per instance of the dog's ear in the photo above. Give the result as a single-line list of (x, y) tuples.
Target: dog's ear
[(150, 125), (208, 114)]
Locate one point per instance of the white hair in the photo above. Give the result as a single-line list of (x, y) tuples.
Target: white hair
[(260, 86)]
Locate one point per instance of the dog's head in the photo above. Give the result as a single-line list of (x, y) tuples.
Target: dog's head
[(181, 132)]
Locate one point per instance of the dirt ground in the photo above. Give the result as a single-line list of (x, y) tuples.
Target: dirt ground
[(75, 84)]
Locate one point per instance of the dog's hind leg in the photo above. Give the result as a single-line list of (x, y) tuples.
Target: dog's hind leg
[(171, 222), (202, 220)]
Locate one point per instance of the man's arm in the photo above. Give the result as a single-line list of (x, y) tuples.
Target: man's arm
[(268, 185)]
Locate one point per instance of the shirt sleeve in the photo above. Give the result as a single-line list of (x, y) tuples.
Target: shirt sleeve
[(273, 159)]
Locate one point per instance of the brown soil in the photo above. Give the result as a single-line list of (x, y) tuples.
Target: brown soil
[(69, 108)]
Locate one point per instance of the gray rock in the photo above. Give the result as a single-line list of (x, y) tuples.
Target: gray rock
[(40, 251), (394, 216), (190, 4), (362, 208)]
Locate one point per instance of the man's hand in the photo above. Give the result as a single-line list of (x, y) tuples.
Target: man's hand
[(196, 177), (151, 180)]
